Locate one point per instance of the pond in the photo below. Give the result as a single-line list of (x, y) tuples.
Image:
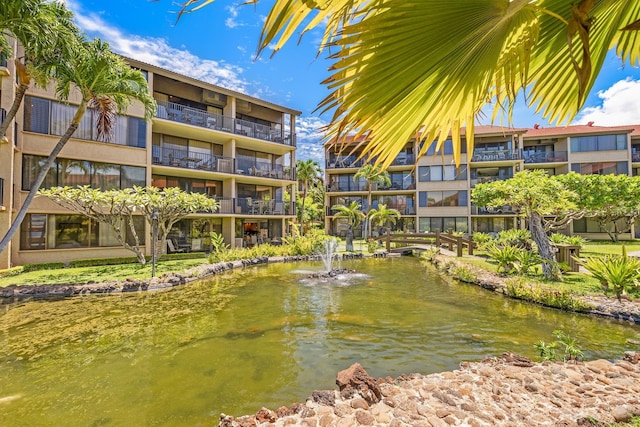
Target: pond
[(257, 337)]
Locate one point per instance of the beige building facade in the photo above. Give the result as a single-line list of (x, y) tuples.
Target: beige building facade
[(204, 138), (435, 194)]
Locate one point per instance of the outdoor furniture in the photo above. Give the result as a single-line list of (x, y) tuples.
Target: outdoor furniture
[(171, 247)]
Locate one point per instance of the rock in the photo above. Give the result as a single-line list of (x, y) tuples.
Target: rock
[(324, 397), (356, 380), (265, 415), (359, 403), (364, 418), (620, 414)]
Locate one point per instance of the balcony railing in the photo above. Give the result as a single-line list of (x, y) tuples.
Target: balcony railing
[(403, 209), (501, 210), (192, 160), (545, 157), (202, 118), (635, 157), (486, 179), (212, 163), (336, 187), (352, 161), (251, 206), (495, 155)]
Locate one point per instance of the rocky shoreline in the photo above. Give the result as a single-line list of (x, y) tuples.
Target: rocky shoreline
[(507, 391)]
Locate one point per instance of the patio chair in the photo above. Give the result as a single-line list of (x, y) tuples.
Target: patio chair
[(172, 248)]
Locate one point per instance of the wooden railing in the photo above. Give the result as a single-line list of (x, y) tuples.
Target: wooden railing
[(438, 239)]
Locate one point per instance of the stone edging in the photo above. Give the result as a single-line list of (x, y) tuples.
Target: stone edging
[(157, 283), (507, 391), (603, 306)]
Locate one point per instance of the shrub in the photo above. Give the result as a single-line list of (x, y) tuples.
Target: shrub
[(570, 349), (525, 261), (431, 254), (517, 288), (515, 237), (619, 273), (464, 274), (559, 238), (505, 256), (482, 240)]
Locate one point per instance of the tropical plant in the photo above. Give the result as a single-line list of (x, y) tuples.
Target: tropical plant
[(482, 240), (498, 49), (525, 261), (619, 273), (218, 246), (47, 34), (108, 85), (307, 171), (515, 237), (544, 201), (383, 215), (373, 175), (352, 213), (505, 256)]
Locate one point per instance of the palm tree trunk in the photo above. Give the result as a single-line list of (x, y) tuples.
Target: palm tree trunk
[(367, 231), (11, 114), (549, 269), (304, 198), (41, 176)]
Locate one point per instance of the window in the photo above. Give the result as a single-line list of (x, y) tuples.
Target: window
[(33, 232), (446, 149), (431, 224), (442, 198), (603, 168), (599, 143), (105, 176), (442, 173), (53, 118)]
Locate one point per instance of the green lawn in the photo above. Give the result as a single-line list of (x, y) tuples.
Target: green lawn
[(602, 247), (96, 274)]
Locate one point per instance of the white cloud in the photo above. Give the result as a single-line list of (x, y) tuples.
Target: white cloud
[(156, 51), (619, 106), (309, 133), (231, 21)]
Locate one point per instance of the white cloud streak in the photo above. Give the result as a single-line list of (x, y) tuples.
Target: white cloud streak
[(309, 136), (156, 51), (619, 106)]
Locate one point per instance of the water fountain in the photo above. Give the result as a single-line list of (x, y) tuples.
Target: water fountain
[(328, 256)]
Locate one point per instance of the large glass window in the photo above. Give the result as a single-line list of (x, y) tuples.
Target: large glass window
[(51, 117), (447, 148), (431, 224), (442, 198), (33, 232), (442, 173), (599, 143), (601, 168), (68, 172)]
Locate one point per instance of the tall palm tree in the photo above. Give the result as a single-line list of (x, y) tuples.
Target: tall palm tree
[(46, 31), (374, 175), (106, 84), (429, 66), (308, 171), (383, 215)]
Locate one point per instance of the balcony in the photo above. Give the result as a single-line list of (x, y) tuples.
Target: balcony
[(191, 160), (251, 206), (352, 161), (501, 210), (495, 155), (202, 118), (486, 179), (635, 157), (264, 170), (545, 157)]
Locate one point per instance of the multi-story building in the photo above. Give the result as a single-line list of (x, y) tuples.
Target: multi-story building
[(204, 138), (436, 194)]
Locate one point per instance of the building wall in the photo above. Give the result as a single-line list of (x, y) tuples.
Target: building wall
[(275, 178)]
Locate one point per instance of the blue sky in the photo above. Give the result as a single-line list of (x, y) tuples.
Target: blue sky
[(218, 44)]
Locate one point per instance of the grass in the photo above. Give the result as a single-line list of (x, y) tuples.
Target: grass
[(607, 247), (96, 274), (635, 422)]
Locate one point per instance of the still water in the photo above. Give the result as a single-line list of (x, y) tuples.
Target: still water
[(257, 337)]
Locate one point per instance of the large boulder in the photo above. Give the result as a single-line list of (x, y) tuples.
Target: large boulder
[(355, 380)]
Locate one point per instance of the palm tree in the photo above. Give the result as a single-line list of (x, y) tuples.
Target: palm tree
[(108, 85), (374, 175), (46, 31), (382, 216), (352, 213), (308, 171), (404, 67)]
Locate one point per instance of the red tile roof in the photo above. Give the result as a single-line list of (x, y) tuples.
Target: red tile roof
[(579, 130)]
